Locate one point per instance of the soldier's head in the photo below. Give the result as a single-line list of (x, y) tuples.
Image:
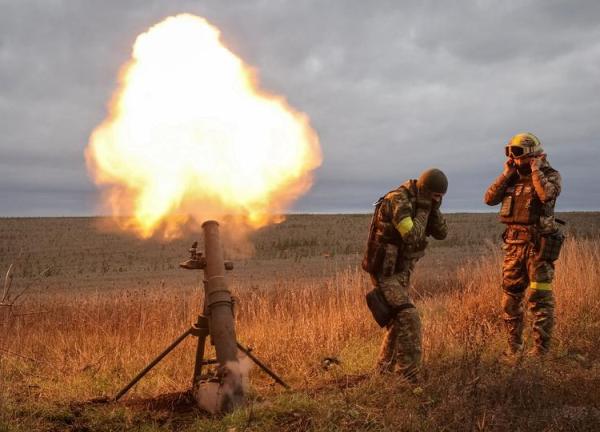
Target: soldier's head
[(433, 183), (522, 147)]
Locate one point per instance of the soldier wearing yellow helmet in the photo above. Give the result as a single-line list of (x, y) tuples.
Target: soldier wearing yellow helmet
[(527, 188)]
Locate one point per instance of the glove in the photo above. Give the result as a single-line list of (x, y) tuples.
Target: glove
[(509, 168), (537, 162), (424, 203)]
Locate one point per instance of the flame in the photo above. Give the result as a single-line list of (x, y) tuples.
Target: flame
[(190, 136)]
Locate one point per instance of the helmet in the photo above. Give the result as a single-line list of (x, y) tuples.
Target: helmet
[(433, 180), (522, 145)]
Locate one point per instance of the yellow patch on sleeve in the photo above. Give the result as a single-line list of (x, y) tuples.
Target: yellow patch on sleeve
[(405, 225), (542, 286)]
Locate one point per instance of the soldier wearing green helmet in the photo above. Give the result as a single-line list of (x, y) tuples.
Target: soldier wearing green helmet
[(402, 220), (527, 190)]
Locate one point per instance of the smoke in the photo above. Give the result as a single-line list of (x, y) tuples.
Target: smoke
[(226, 391)]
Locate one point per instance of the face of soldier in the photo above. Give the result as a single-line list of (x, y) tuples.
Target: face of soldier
[(523, 165), (524, 161), (433, 196)]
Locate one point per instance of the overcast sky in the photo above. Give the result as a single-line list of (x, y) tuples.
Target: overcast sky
[(392, 88)]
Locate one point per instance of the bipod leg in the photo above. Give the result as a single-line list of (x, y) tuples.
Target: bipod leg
[(200, 330), (261, 365), (153, 363)]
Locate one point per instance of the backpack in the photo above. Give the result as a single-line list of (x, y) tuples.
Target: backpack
[(375, 253)]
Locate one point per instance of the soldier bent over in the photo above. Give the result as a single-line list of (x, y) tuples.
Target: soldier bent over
[(527, 188), (402, 220)]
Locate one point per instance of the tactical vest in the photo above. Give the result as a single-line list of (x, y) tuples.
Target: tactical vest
[(383, 232), (521, 204)]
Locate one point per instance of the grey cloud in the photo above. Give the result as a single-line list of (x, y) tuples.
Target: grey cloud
[(494, 32), (391, 87)]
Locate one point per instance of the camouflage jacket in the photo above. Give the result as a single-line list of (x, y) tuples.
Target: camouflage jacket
[(546, 187), (401, 220)]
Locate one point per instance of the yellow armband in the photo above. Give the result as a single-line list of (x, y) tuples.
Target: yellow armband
[(405, 225), (541, 286)]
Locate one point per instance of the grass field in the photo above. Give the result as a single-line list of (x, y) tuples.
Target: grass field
[(98, 304)]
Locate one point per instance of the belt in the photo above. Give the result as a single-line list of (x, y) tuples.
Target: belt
[(519, 234)]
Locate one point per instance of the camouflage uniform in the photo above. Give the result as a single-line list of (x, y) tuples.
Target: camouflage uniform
[(528, 211), (402, 223)]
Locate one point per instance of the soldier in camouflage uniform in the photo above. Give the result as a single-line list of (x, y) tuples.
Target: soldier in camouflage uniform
[(402, 220), (527, 188)]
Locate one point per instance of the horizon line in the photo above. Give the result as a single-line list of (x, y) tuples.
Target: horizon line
[(292, 213)]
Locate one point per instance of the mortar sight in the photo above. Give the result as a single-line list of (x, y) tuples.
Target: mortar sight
[(197, 260)]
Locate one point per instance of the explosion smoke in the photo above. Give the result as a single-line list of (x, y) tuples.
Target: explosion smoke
[(190, 136)]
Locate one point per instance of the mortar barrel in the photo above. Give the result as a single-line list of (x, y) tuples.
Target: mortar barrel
[(218, 296)]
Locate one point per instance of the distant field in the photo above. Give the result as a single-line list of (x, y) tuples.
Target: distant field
[(98, 304), (90, 253)]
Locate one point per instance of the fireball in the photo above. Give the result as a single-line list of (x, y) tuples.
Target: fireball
[(190, 136)]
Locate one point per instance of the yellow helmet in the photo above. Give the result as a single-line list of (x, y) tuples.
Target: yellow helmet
[(522, 145)]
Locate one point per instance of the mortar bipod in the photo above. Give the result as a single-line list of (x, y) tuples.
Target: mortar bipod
[(201, 331)]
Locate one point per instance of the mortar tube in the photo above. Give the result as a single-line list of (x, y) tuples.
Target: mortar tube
[(218, 303)]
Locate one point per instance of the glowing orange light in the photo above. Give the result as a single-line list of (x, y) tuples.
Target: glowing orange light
[(190, 135)]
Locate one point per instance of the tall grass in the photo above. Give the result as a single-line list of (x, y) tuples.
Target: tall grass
[(71, 347)]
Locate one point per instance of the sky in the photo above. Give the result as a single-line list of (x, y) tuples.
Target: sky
[(391, 87)]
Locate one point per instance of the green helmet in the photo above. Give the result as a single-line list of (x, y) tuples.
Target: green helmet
[(522, 145), (433, 180)]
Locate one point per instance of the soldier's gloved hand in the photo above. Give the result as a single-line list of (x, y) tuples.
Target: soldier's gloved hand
[(536, 162), (509, 168), (424, 202)]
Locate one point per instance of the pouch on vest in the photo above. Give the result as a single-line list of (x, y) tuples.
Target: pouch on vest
[(521, 204), (550, 246), (379, 307), (507, 205)]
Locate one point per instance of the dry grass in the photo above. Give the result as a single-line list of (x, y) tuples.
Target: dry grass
[(61, 347)]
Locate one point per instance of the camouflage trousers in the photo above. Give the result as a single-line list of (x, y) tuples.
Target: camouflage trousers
[(401, 345), (522, 268)]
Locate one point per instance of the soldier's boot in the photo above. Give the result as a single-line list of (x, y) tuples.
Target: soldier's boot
[(409, 343), (513, 315), (541, 305), (386, 361)]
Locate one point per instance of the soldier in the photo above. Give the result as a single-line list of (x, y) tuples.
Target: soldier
[(402, 220), (527, 188)]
